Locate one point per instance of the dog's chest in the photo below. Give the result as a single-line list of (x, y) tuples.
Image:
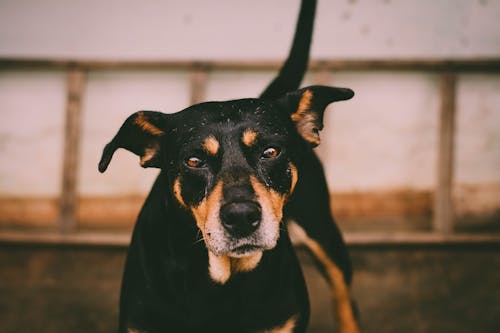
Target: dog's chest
[(256, 301)]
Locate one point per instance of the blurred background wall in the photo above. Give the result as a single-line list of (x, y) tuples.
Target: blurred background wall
[(380, 148)]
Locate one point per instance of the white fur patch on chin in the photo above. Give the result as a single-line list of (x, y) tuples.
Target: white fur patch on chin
[(246, 264), (220, 268)]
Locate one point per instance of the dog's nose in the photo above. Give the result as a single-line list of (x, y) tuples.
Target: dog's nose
[(240, 218)]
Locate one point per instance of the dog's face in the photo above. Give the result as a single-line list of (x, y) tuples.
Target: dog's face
[(231, 164), (234, 172)]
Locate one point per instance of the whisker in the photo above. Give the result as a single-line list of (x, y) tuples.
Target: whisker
[(199, 240), (200, 237)]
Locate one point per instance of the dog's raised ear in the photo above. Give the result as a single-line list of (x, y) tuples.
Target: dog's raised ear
[(141, 134), (307, 106)]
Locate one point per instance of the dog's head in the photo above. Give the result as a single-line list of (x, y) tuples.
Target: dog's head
[(231, 164)]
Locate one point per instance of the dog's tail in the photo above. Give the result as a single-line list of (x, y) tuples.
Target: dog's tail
[(292, 72)]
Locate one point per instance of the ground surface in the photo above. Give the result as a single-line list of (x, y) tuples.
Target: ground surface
[(48, 289)]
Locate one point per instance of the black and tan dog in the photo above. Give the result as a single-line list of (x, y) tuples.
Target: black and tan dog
[(210, 251)]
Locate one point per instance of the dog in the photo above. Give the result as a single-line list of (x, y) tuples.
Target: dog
[(210, 251)]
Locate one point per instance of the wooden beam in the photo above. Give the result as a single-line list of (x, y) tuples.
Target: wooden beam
[(484, 65), (108, 239), (419, 239), (72, 133), (443, 203), (353, 239), (323, 76), (488, 65), (198, 85)]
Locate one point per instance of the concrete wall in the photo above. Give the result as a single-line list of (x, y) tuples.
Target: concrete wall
[(382, 141), (228, 29)]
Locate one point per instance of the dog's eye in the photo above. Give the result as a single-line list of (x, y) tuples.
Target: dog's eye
[(195, 162), (270, 152)]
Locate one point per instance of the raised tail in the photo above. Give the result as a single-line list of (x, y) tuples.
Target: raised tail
[(292, 72)]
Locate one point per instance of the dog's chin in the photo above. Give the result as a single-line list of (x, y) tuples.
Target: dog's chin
[(220, 243), (245, 251), (241, 250)]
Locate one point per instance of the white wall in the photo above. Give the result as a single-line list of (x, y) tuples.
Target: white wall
[(385, 138), (245, 29), (31, 132)]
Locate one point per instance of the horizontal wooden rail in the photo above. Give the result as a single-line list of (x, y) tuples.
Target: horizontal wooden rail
[(353, 239), (56, 238), (486, 65)]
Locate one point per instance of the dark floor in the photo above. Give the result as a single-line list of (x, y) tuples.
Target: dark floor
[(48, 289)]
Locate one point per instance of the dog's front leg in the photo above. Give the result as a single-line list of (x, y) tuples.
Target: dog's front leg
[(315, 228)]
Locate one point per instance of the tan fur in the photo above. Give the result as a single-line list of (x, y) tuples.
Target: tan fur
[(249, 137), (269, 197), (219, 268), (207, 206), (287, 327), (211, 145), (178, 191), (295, 177), (146, 126), (306, 128), (306, 120), (304, 106), (149, 153), (135, 330), (246, 264), (339, 289)]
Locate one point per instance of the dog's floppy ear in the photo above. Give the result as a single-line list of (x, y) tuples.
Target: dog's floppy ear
[(141, 134), (307, 105)]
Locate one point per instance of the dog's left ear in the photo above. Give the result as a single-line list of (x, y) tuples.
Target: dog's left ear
[(141, 134), (307, 106)]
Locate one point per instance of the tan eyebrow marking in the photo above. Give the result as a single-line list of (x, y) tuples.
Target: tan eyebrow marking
[(146, 126), (211, 145), (249, 137)]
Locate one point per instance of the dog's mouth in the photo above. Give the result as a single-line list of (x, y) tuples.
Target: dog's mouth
[(244, 250)]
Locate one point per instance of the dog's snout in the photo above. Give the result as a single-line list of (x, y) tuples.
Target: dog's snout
[(240, 218)]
